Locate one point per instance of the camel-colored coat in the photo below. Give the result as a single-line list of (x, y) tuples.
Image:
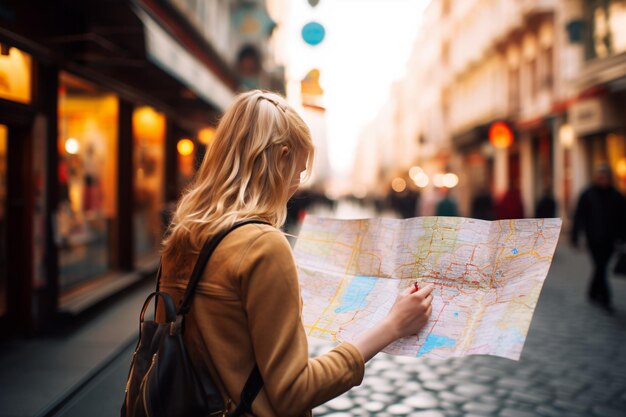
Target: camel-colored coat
[(247, 308)]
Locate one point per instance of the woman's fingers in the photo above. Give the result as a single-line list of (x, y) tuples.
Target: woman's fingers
[(415, 289), (424, 292)]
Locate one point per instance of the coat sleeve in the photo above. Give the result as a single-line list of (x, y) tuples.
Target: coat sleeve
[(271, 298)]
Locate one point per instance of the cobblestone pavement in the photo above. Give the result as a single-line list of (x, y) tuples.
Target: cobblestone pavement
[(573, 364)]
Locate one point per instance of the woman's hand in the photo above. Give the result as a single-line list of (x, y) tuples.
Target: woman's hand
[(410, 311), (407, 316)]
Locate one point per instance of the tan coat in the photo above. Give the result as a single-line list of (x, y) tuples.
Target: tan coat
[(247, 308)]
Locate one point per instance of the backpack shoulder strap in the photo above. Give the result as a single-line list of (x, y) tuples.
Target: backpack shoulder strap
[(248, 394), (255, 381), (202, 261)]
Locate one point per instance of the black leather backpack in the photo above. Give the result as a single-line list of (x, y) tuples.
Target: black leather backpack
[(162, 381)]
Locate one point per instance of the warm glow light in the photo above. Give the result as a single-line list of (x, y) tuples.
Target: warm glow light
[(185, 147), (620, 168), (500, 135), (566, 135), (398, 184), (414, 171), (438, 180), (206, 135), (450, 180), (421, 180), (72, 146), (15, 76), (148, 124)]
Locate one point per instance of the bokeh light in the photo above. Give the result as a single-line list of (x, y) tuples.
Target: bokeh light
[(450, 180), (398, 184), (185, 147), (72, 146)]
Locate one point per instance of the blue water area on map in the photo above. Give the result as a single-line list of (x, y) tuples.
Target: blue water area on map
[(434, 341), (456, 314), (515, 251), (355, 296)]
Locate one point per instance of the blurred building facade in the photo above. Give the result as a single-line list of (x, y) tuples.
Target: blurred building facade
[(552, 71), (106, 108)]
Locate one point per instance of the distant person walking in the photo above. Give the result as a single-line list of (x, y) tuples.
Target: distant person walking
[(600, 215), (405, 203), (510, 206), (482, 205), (546, 206), (446, 206)]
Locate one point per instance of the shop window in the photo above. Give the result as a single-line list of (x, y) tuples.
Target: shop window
[(616, 155), (15, 74), (148, 163), (87, 174), (617, 23), (607, 21), (3, 220)]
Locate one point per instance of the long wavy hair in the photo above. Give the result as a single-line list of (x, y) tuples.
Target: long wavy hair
[(245, 173)]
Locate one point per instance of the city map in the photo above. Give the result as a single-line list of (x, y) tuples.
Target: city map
[(487, 276)]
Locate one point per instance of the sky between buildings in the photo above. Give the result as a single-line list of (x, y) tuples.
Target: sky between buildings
[(366, 48)]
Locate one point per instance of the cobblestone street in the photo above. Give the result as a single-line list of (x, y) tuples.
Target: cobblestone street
[(573, 364)]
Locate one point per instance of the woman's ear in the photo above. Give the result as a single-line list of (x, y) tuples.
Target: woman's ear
[(284, 151)]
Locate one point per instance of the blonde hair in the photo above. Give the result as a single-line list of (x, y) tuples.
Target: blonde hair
[(242, 175)]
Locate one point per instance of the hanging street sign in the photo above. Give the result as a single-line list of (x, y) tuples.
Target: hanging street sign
[(313, 33)]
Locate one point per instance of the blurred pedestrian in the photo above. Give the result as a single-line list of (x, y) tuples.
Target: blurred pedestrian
[(510, 205), (600, 216), (447, 205), (405, 203), (482, 205), (546, 206), (246, 310)]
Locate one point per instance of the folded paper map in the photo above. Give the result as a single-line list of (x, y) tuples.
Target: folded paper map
[(487, 278)]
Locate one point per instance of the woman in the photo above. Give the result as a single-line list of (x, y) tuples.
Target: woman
[(247, 306)]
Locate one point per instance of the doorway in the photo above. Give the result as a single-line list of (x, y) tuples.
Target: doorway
[(15, 228)]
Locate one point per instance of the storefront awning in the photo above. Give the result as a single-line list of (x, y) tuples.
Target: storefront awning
[(164, 51)]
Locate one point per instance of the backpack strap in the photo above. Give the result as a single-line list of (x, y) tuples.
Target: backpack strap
[(255, 382), (203, 259), (248, 394)]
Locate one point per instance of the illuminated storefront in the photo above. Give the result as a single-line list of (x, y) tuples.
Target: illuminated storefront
[(87, 180), (148, 168), (17, 189), (610, 149), (89, 164), (598, 116)]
